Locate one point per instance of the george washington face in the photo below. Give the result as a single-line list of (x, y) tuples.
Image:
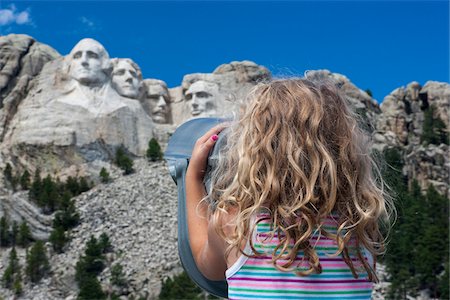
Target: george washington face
[(87, 62)]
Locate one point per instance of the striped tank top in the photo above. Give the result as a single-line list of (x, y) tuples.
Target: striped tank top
[(257, 278)]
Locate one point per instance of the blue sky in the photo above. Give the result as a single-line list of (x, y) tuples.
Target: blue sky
[(378, 45)]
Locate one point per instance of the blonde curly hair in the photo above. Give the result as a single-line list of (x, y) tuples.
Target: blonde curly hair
[(298, 153)]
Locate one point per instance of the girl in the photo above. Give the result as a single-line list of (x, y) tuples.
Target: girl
[(294, 206)]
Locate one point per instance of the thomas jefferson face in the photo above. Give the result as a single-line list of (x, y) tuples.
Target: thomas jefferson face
[(158, 97), (87, 62), (125, 79), (203, 96)]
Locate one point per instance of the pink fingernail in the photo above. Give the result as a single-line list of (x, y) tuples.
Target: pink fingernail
[(215, 137)]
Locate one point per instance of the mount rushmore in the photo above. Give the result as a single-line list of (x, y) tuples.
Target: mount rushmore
[(85, 105)]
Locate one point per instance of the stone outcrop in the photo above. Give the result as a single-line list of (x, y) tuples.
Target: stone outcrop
[(21, 59), (400, 125), (18, 208)]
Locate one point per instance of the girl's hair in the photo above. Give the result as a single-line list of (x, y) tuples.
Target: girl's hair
[(297, 153)]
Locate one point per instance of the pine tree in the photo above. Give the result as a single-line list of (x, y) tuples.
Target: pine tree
[(434, 129), (154, 150), (84, 186), (90, 289), (14, 233), (25, 180), (118, 276), (104, 243), (58, 239), (4, 232), (92, 262), (37, 262), (180, 287), (36, 186), (72, 186), (104, 176), (24, 235), (67, 217), (12, 271), (8, 172), (87, 268), (123, 161), (17, 285)]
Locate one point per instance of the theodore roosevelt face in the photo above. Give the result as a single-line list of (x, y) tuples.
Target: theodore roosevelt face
[(158, 98)]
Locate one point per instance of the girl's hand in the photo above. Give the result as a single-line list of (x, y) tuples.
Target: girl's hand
[(197, 163), (207, 250)]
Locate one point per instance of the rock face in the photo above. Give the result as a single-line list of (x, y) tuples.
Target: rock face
[(400, 125), (21, 59), (18, 208)]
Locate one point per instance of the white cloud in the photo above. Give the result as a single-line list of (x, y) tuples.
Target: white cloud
[(23, 18), (11, 15), (87, 22)]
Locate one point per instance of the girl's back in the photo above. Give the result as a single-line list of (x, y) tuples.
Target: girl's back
[(255, 277)]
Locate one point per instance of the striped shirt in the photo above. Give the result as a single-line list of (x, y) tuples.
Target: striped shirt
[(257, 278)]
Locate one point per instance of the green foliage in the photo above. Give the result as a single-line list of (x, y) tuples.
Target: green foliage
[(12, 272), (118, 276), (104, 176), (37, 262), (35, 189), (84, 185), (90, 288), (154, 150), (58, 239), (369, 92), (180, 287), (434, 129), (443, 283), (17, 286), (417, 250), (73, 186), (87, 268), (14, 233), (4, 232), (67, 217), (25, 180), (104, 243), (123, 161), (24, 236), (7, 172)]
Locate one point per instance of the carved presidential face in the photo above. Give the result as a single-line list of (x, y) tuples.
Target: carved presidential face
[(88, 61), (126, 79), (202, 96), (158, 98)]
